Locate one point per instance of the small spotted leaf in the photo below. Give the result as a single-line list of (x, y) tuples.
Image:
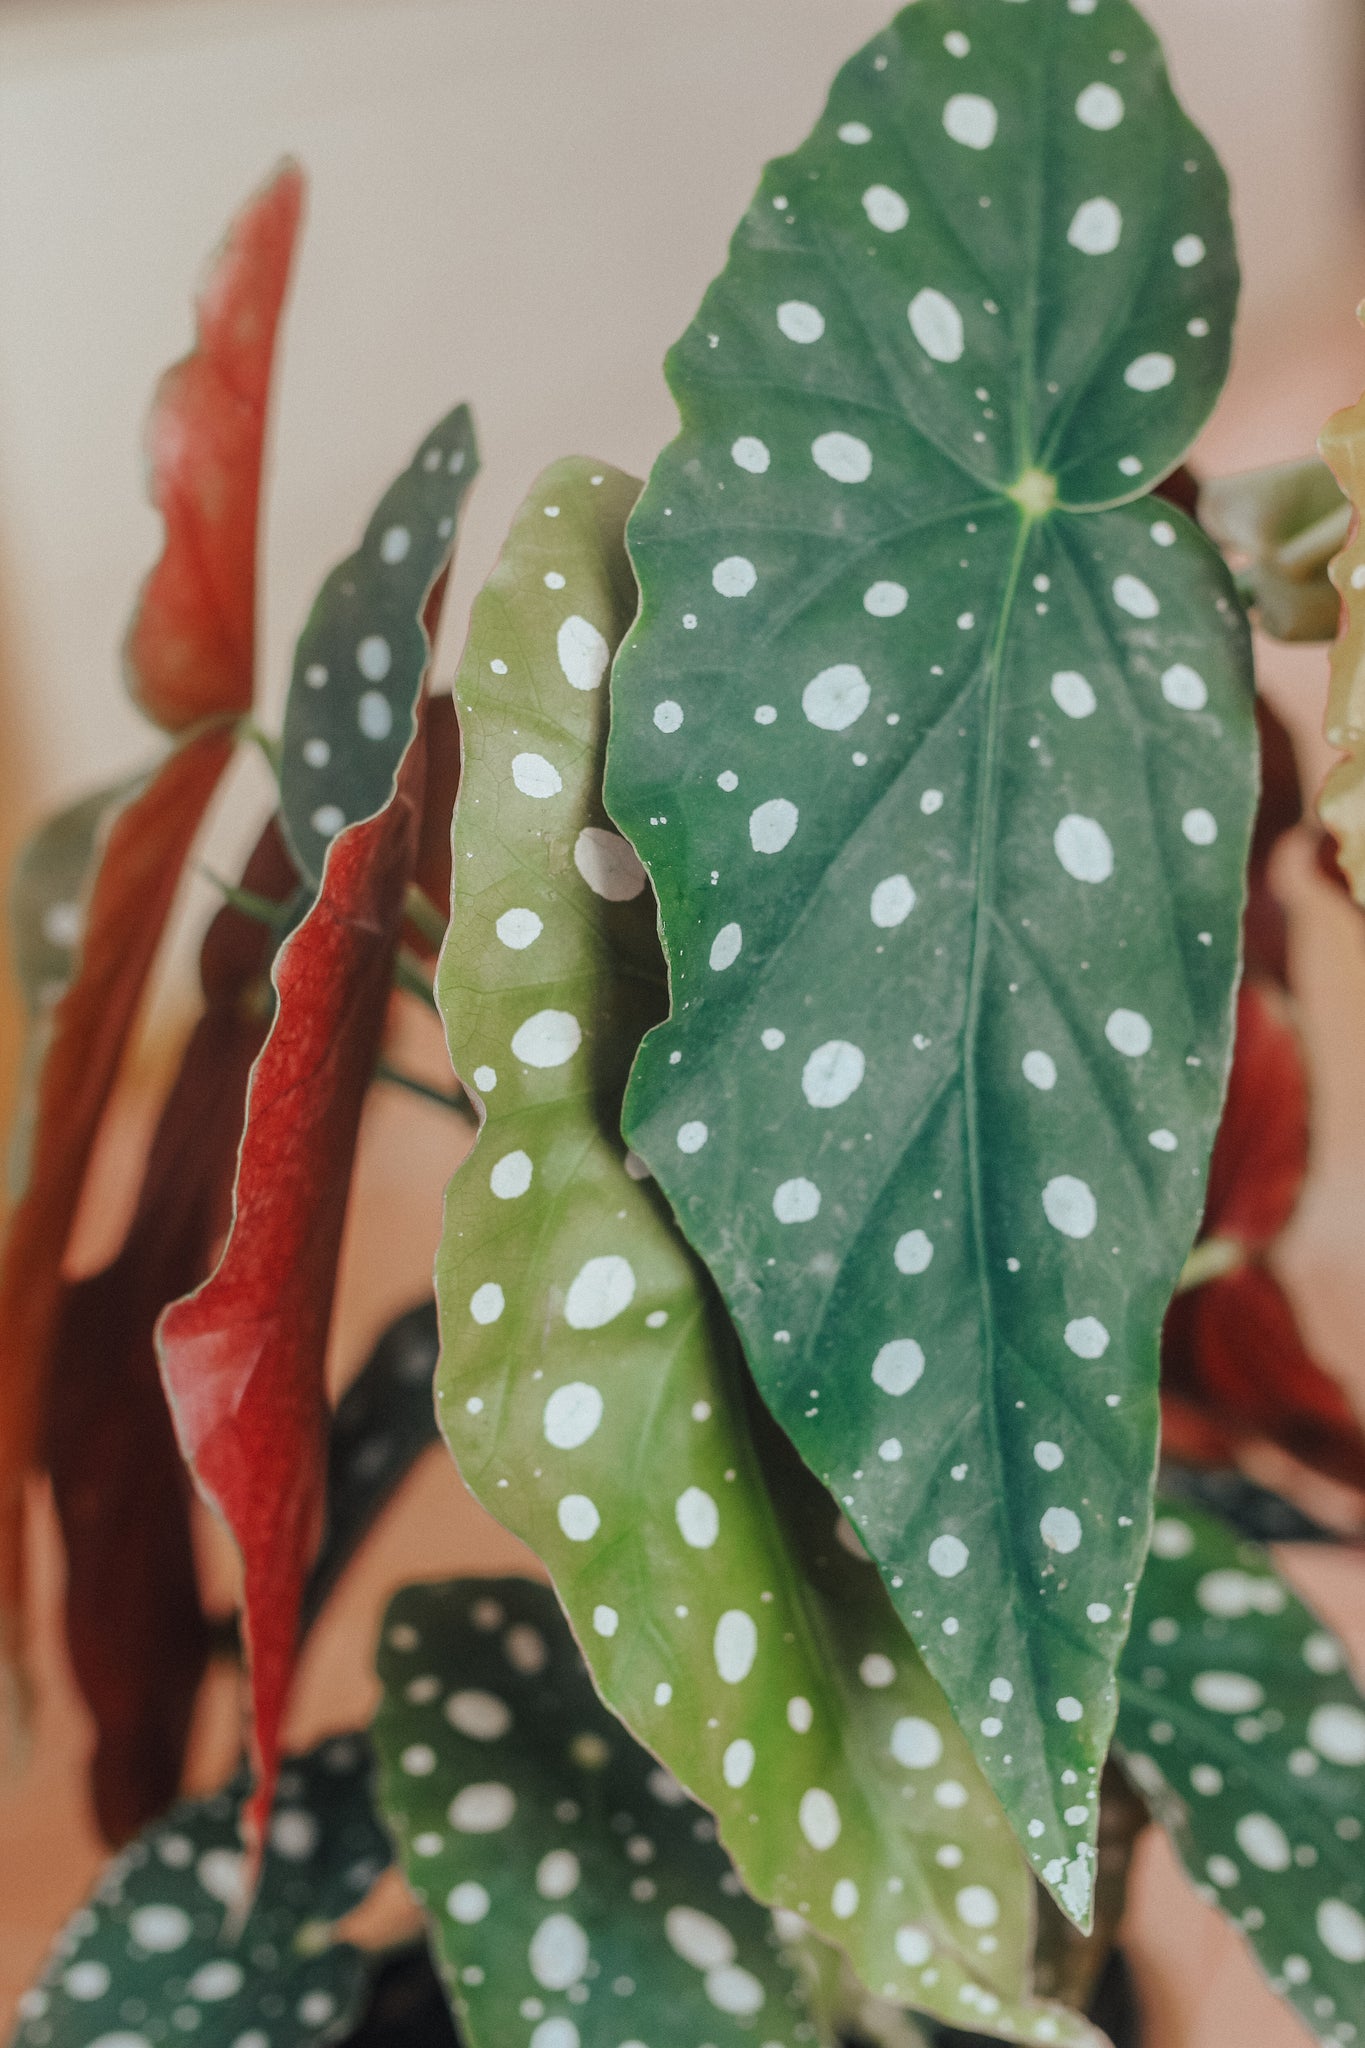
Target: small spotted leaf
[(358, 669), (150, 1958), (1239, 1722), (569, 1881), (590, 1385), (944, 776)]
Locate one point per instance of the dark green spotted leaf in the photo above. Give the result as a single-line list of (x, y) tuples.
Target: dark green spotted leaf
[(380, 1427), (590, 1384), (1239, 1723), (945, 783), (571, 1884), (151, 1959), (358, 668)]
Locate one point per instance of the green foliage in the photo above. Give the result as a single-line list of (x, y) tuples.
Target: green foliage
[(569, 1881), (946, 792), (361, 657), (1241, 1726), (152, 1957), (1282, 527), (590, 1386)]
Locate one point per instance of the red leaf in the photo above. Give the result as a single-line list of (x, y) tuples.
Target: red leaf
[(132, 894), (1266, 927), (438, 806), (1261, 1154), (190, 652), (243, 1359), (1233, 1354), (209, 415), (134, 1624)]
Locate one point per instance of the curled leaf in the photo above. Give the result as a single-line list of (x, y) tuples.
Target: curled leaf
[(190, 652), (243, 1358)]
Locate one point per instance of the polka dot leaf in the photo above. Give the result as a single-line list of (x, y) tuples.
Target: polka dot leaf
[(358, 668), (150, 1958), (940, 757), (591, 1388), (578, 1897), (1239, 1722)]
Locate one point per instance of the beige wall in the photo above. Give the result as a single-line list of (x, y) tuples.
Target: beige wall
[(518, 201)]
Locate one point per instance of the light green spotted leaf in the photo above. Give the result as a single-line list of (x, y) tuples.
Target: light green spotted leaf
[(358, 668), (944, 780), (590, 1385), (151, 1959), (1239, 1723), (570, 1883)]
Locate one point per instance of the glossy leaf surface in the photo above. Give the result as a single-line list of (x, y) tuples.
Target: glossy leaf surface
[(134, 1628), (243, 1358), (190, 652), (380, 1427), (149, 1958), (1342, 802), (358, 670), (946, 793), (590, 1386), (1240, 1725), (569, 1881)]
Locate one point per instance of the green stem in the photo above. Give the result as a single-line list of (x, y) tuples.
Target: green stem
[(272, 748), (260, 909), (458, 1104), (1210, 1260), (424, 917), (412, 977)]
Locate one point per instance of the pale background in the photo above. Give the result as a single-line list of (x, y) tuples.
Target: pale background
[(520, 202)]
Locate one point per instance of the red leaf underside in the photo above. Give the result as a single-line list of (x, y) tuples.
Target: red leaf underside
[(243, 1359), (1261, 1154), (190, 649), (1234, 1360), (135, 1627), (132, 895)]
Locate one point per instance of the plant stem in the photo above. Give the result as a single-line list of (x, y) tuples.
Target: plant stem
[(423, 915), (458, 1104), (411, 976), (1210, 1261)]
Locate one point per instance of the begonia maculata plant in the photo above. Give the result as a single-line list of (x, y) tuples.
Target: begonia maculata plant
[(844, 868)]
